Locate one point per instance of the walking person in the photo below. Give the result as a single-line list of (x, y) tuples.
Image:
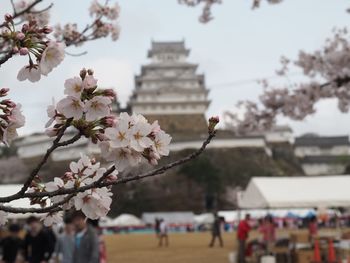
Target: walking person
[(216, 231), (64, 249), (11, 245), (37, 242), (86, 247), (163, 233), (242, 236)]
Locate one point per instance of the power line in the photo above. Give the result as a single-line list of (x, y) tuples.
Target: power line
[(248, 81)]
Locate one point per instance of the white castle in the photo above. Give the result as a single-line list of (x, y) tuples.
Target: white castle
[(170, 90)]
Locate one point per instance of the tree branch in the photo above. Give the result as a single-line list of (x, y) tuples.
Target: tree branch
[(56, 144), (102, 183)]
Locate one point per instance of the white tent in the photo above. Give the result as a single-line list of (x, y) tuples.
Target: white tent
[(205, 218), (298, 192), (126, 220), (169, 217)]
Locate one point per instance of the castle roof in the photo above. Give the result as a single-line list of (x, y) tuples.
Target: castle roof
[(321, 141), (168, 47)]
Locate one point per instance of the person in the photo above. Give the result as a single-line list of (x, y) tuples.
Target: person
[(11, 245), (64, 249), (156, 227), (163, 233), (216, 231), (102, 244), (37, 242), (242, 236), (86, 247), (313, 228), (268, 231)]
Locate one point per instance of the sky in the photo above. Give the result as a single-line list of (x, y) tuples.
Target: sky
[(239, 46)]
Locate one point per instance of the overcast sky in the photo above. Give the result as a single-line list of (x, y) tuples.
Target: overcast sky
[(238, 45)]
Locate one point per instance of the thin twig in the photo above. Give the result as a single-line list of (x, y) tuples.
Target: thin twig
[(102, 183)]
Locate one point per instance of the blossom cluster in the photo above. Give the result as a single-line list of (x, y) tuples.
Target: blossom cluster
[(42, 17), (87, 106), (206, 15), (329, 72), (132, 139), (94, 203), (32, 41), (104, 25), (11, 118)]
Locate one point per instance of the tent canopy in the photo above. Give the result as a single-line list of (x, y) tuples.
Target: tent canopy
[(300, 192), (126, 220), (169, 217)]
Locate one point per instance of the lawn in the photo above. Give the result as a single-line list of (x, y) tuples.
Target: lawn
[(184, 248)]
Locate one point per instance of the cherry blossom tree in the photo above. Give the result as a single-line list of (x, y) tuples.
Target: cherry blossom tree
[(85, 111)]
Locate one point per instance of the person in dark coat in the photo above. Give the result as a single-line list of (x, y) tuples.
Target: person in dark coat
[(216, 231), (86, 248), (37, 242), (11, 245)]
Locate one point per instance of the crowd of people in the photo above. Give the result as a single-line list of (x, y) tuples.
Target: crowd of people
[(75, 242)]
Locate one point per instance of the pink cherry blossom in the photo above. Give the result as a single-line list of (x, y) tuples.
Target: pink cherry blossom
[(71, 107), (33, 74), (96, 108), (52, 56), (73, 87)]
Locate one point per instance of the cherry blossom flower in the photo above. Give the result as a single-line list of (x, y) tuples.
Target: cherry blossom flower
[(73, 87), (138, 138), (71, 107), (53, 218), (97, 107), (32, 73), (94, 203), (161, 143), (119, 136), (51, 113), (52, 56), (89, 82), (55, 185)]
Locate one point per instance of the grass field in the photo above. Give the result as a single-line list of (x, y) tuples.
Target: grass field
[(184, 248)]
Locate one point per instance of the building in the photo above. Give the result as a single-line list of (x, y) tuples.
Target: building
[(169, 90), (320, 155)]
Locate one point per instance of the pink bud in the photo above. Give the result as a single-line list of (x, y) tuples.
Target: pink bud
[(213, 121), (47, 29), (3, 91), (109, 93), (8, 17), (25, 28), (23, 51), (20, 36), (109, 121), (8, 103)]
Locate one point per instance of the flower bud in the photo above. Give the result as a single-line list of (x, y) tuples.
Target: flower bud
[(8, 17), (108, 121), (83, 73), (23, 51), (3, 91), (20, 36), (109, 93), (25, 28), (8, 103), (213, 121), (90, 72), (47, 29)]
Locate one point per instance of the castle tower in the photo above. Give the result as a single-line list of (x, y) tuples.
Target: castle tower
[(169, 90)]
